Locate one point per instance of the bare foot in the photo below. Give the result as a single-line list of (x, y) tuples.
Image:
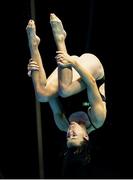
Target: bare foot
[(58, 31), (33, 39)]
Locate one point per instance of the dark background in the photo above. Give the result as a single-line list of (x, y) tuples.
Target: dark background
[(91, 26)]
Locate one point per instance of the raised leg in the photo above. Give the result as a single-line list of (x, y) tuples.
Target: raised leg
[(44, 88), (65, 74)]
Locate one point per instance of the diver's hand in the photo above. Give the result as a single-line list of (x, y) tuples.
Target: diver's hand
[(64, 59)]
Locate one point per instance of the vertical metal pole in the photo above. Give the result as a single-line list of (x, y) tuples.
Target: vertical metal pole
[(32, 9), (39, 138), (38, 114)]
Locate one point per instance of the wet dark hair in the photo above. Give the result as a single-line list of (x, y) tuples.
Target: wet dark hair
[(76, 161), (79, 154), (76, 158)]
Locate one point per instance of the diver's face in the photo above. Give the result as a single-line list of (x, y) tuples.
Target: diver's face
[(75, 135)]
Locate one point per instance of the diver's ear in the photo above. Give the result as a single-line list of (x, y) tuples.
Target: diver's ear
[(86, 137)]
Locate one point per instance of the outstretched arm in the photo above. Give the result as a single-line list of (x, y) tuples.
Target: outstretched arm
[(59, 116), (97, 112)]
